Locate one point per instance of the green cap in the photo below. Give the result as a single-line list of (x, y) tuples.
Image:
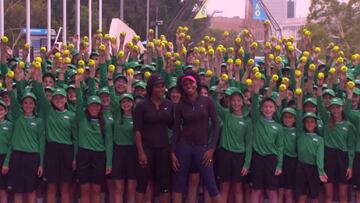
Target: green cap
[(132, 64), (187, 67), (238, 92), (148, 67), (357, 82), (212, 88), (310, 100), (48, 88), (356, 91), (126, 96), (140, 84), (120, 76), (2, 103), (70, 86), (230, 90), (94, 53), (274, 96), (310, 115), (336, 101), (74, 52), (28, 94), (103, 90), (59, 91), (93, 99), (329, 91), (288, 110)]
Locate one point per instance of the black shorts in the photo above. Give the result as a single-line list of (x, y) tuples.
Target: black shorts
[(356, 172), (228, 166), (287, 177), (23, 169), (307, 180), (124, 163), (58, 160), (3, 178), (90, 166), (336, 165), (262, 172), (158, 170)]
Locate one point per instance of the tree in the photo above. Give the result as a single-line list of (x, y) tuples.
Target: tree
[(334, 21)]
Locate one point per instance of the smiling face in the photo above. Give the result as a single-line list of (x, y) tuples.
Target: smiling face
[(71, 95), (94, 109), (48, 81), (310, 124), (175, 95), (59, 102), (268, 109), (158, 90), (120, 85), (336, 111), (288, 120), (355, 101), (28, 106), (127, 105), (236, 103), (3, 112), (105, 99), (309, 107), (189, 87)]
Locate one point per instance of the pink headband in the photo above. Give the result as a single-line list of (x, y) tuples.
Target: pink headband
[(188, 77)]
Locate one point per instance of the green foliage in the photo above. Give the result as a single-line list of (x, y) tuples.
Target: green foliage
[(332, 21)]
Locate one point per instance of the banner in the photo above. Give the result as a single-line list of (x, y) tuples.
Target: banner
[(259, 12), (202, 13)]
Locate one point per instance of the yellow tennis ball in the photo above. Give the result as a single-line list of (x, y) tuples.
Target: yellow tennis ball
[(278, 48), (4, 39), (340, 60), (303, 59), (237, 40), (107, 37), (255, 69), (71, 46), (230, 61), (285, 80), (37, 65), (224, 77), (317, 49), (291, 48), (258, 75), (306, 54), (298, 73), (344, 69), (248, 82), (21, 64), (246, 32), (267, 22), (168, 54), (241, 51), (91, 62), (43, 49), (123, 34), (254, 44), (130, 71), (81, 63), (238, 62), (86, 38), (298, 91), (27, 46), (212, 39), (350, 84), (231, 49), (38, 59), (267, 44), (320, 76), (113, 39), (57, 55), (80, 71), (209, 73), (177, 63), (196, 62), (111, 68), (312, 67), (332, 70), (68, 60), (176, 55), (336, 49), (278, 59), (151, 31), (275, 78), (226, 34), (147, 74), (211, 52), (66, 52), (121, 54), (10, 74), (251, 62), (271, 57), (102, 47), (282, 87)]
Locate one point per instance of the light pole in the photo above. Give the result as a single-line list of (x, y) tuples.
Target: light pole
[(78, 23), (28, 26), (1, 17), (48, 25), (64, 22), (100, 15), (90, 24), (122, 10)]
